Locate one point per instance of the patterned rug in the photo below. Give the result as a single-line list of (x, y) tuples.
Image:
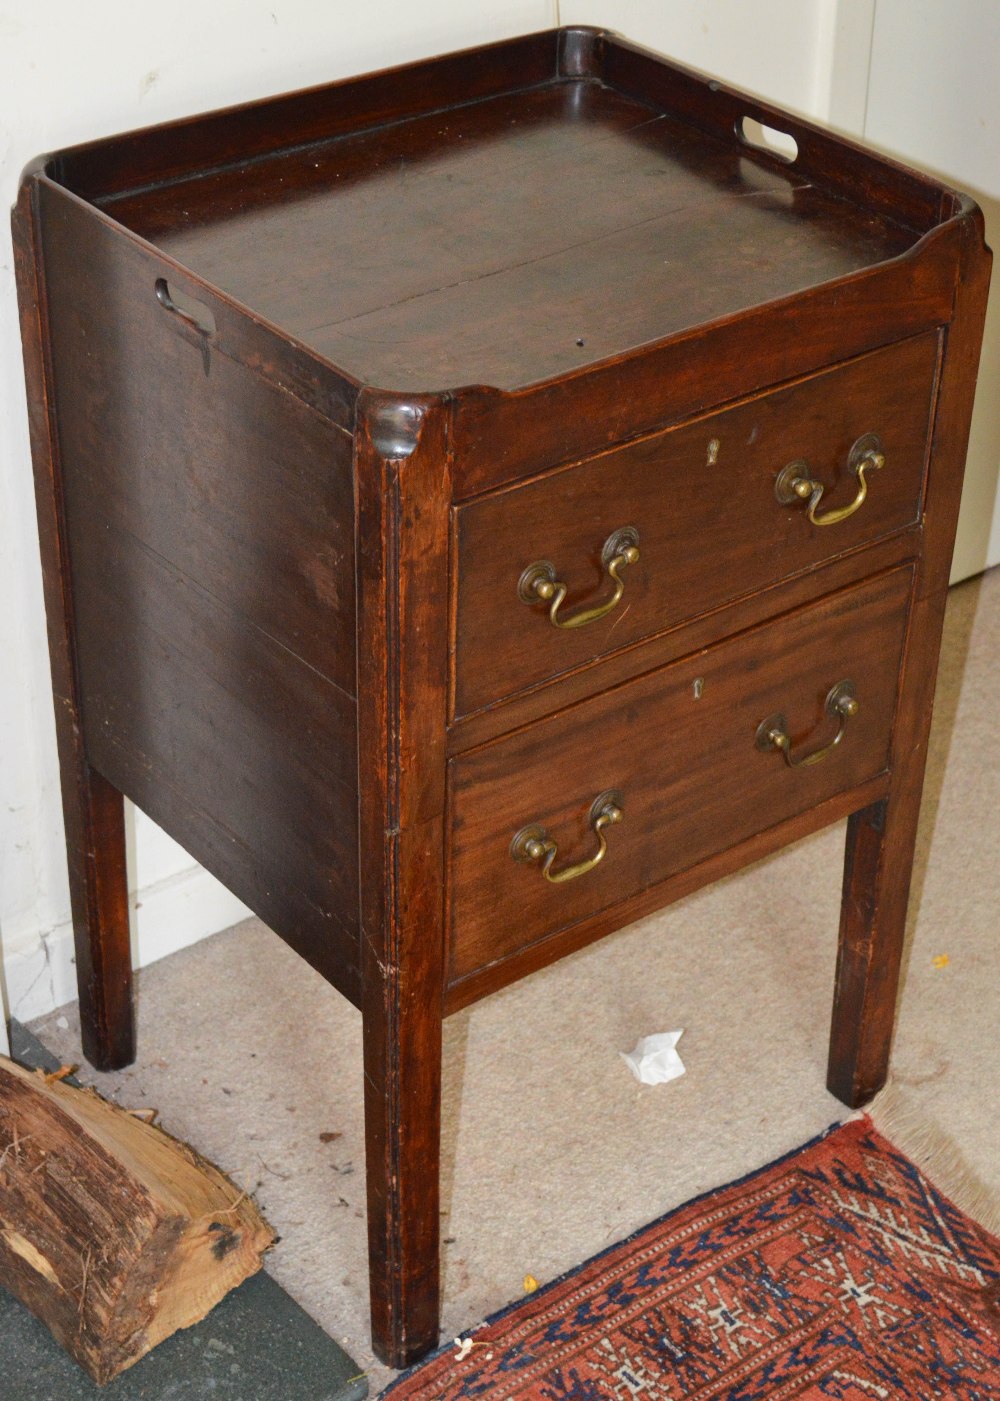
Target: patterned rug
[(838, 1273)]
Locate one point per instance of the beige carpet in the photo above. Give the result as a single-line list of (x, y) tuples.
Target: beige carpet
[(552, 1150)]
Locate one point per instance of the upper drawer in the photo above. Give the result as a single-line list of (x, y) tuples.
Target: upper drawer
[(702, 500)]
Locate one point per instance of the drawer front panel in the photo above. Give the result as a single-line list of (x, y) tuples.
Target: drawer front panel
[(701, 499), (679, 748)]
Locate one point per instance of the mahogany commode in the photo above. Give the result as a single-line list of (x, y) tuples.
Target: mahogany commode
[(479, 503)]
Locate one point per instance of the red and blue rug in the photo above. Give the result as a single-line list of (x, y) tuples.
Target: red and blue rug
[(838, 1273)]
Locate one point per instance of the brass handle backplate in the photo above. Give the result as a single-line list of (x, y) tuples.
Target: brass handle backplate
[(795, 484), (538, 583), (533, 842), (841, 704)]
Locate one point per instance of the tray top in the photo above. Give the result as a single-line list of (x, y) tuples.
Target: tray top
[(508, 240)]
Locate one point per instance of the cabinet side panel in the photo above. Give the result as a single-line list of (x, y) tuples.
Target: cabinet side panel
[(210, 529), (207, 461)]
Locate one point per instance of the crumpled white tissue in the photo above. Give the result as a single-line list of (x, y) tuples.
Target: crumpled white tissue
[(655, 1060)]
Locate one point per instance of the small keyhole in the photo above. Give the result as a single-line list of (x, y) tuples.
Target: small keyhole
[(699, 686), (713, 452)]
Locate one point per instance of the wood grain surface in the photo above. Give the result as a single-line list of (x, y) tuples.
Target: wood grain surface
[(404, 489), (93, 810), (678, 745), (696, 495), (881, 838), (450, 294), (112, 1233), (210, 539)]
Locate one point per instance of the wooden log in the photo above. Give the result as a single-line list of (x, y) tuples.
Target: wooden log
[(112, 1233)]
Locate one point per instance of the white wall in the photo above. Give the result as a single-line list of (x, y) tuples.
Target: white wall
[(934, 99), (780, 49), (71, 71)]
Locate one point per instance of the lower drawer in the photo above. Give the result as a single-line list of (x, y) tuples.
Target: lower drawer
[(683, 763)]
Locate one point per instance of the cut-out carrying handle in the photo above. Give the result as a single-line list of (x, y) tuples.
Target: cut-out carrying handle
[(191, 313), (196, 314), (769, 140)]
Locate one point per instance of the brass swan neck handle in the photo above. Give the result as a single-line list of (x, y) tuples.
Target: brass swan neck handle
[(841, 704), (794, 482), (533, 842), (538, 583)]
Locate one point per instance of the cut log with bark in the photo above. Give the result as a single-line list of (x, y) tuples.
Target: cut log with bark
[(113, 1233)]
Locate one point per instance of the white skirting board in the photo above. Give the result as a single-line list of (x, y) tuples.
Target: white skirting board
[(166, 917)]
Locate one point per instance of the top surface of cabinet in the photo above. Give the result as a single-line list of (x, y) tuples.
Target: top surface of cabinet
[(504, 217)]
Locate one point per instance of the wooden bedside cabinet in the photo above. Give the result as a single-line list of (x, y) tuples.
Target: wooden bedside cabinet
[(481, 503)]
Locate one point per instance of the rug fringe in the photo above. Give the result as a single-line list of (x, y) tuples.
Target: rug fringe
[(936, 1153)]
